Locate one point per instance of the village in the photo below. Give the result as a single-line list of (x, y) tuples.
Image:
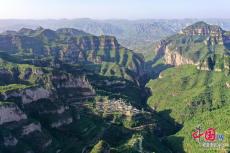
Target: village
[(116, 106)]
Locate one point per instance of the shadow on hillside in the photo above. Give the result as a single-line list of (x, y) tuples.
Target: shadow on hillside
[(168, 125), (166, 115), (171, 127), (115, 87), (154, 72), (174, 143), (86, 129), (159, 68), (227, 45)]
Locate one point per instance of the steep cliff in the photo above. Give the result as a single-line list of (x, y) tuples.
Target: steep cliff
[(194, 88), (10, 113), (74, 92), (27, 120), (201, 44), (50, 94), (72, 46)]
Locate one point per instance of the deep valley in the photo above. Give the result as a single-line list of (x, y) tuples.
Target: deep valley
[(70, 91)]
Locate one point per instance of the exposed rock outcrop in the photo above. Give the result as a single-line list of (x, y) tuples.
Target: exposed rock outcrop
[(176, 59), (10, 112), (48, 143), (62, 122), (80, 83), (227, 85), (10, 141), (204, 29), (66, 81), (200, 44), (34, 94), (31, 128), (72, 46)]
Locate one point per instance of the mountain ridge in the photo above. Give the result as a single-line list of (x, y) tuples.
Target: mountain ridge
[(74, 46), (138, 35), (70, 91), (191, 81), (200, 44)]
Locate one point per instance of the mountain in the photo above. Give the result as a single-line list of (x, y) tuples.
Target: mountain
[(201, 44), (138, 35), (193, 69), (67, 90), (75, 47), (70, 91), (194, 98)]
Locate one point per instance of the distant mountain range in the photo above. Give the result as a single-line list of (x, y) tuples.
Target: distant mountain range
[(137, 35), (67, 90)]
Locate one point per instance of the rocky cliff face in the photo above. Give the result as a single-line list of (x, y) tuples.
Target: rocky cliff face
[(43, 105), (203, 45), (30, 128), (13, 118), (71, 46), (32, 95), (49, 121), (10, 113), (17, 43), (93, 42), (89, 48), (54, 94), (203, 29), (175, 58)]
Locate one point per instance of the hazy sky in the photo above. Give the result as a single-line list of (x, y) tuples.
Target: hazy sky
[(106, 9)]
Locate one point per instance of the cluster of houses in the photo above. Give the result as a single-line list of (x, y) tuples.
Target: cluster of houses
[(116, 106)]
